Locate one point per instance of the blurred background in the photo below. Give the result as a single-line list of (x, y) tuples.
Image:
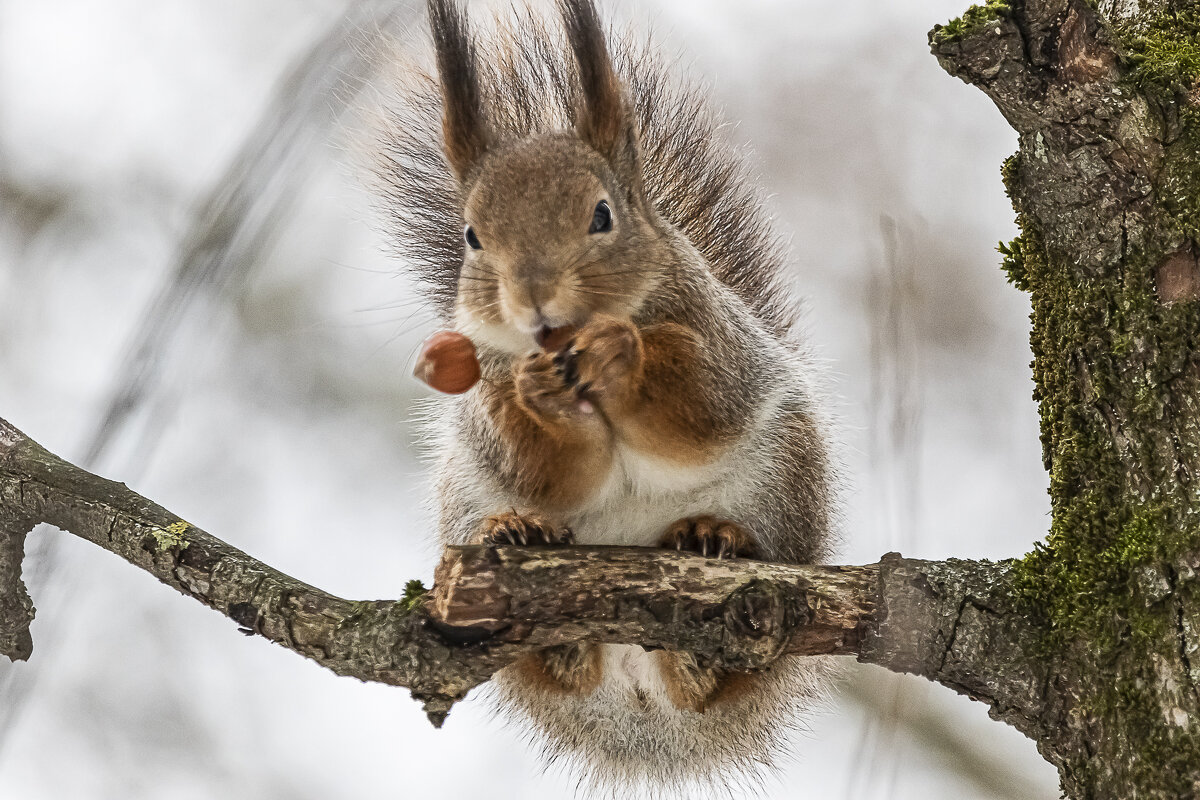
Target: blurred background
[(195, 299)]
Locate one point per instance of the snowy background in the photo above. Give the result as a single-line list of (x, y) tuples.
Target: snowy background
[(194, 299)]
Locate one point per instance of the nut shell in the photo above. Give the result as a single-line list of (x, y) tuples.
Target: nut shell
[(448, 363)]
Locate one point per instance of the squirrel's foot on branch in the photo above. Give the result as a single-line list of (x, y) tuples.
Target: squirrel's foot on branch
[(522, 529), (710, 537)]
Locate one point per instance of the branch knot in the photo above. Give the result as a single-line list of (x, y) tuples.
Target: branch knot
[(760, 618)]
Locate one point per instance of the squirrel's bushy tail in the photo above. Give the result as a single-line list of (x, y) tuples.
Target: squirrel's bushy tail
[(625, 733), (696, 180), (616, 747)]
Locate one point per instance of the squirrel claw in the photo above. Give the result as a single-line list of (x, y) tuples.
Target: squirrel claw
[(604, 357), (710, 537), (548, 385), (566, 364), (511, 528), (593, 369)]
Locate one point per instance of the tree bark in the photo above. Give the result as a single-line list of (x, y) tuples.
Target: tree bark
[(953, 621), (1090, 644), (1106, 186)]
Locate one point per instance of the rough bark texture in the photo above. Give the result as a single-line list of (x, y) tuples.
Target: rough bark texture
[(1090, 644), (953, 622), (1106, 186)]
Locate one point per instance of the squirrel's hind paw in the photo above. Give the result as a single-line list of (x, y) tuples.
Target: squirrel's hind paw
[(522, 529), (564, 669), (710, 537)]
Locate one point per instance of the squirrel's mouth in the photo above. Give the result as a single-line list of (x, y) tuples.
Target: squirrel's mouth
[(554, 339)]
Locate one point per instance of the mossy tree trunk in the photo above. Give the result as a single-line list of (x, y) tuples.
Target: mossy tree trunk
[(1090, 645), (1106, 185)]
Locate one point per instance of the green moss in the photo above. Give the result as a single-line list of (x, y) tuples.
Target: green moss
[(1162, 56), (414, 595), (973, 19), (1179, 185), (1087, 587), (1162, 52), (1116, 381), (1108, 354), (1081, 579), (1014, 252), (1113, 368), (1014, 262)]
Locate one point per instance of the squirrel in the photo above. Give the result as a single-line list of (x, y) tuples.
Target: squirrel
[(569, 205)]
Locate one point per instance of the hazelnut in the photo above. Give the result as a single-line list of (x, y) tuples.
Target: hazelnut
[(448, 363)]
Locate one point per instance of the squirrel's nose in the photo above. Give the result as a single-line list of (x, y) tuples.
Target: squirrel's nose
[(537, 293)]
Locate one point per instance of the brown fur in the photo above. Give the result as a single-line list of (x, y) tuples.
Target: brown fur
[(732, 687), (689, 686), (566, 669), (599, 203), (550, 462), (538, 257), (565, 453), (696, 181), (464, 129), (602, 119), (692, 687), (675, 416)]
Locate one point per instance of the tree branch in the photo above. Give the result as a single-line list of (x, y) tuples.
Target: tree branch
[(1105, 99), (490, 605)]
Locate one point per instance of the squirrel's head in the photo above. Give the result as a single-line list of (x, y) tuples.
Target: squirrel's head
[(556, 226)]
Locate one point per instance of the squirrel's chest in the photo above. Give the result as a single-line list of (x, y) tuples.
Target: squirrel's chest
[(642, 495)]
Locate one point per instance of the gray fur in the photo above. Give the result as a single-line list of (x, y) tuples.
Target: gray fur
[(775, 479), (697, 181)]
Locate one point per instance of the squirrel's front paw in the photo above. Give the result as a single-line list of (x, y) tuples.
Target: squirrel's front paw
[(709, 536), (604, 359), (523, 529), (548, 391)]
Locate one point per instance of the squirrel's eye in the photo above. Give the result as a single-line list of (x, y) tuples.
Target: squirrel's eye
[(601, 218), (472, 239)]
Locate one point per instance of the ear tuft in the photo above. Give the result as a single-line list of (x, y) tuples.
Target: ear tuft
[(464, 127), (603, 120)]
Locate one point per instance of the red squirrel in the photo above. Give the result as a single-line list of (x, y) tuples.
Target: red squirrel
[(569, 206)]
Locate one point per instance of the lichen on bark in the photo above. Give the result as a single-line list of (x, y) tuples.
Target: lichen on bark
[(1106, 186)]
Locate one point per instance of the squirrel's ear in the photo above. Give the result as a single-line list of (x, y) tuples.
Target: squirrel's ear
[(604, 120), (464, 128)]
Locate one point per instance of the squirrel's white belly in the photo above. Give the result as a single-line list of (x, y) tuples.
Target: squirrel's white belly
[(643, 495), (641, 498)]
